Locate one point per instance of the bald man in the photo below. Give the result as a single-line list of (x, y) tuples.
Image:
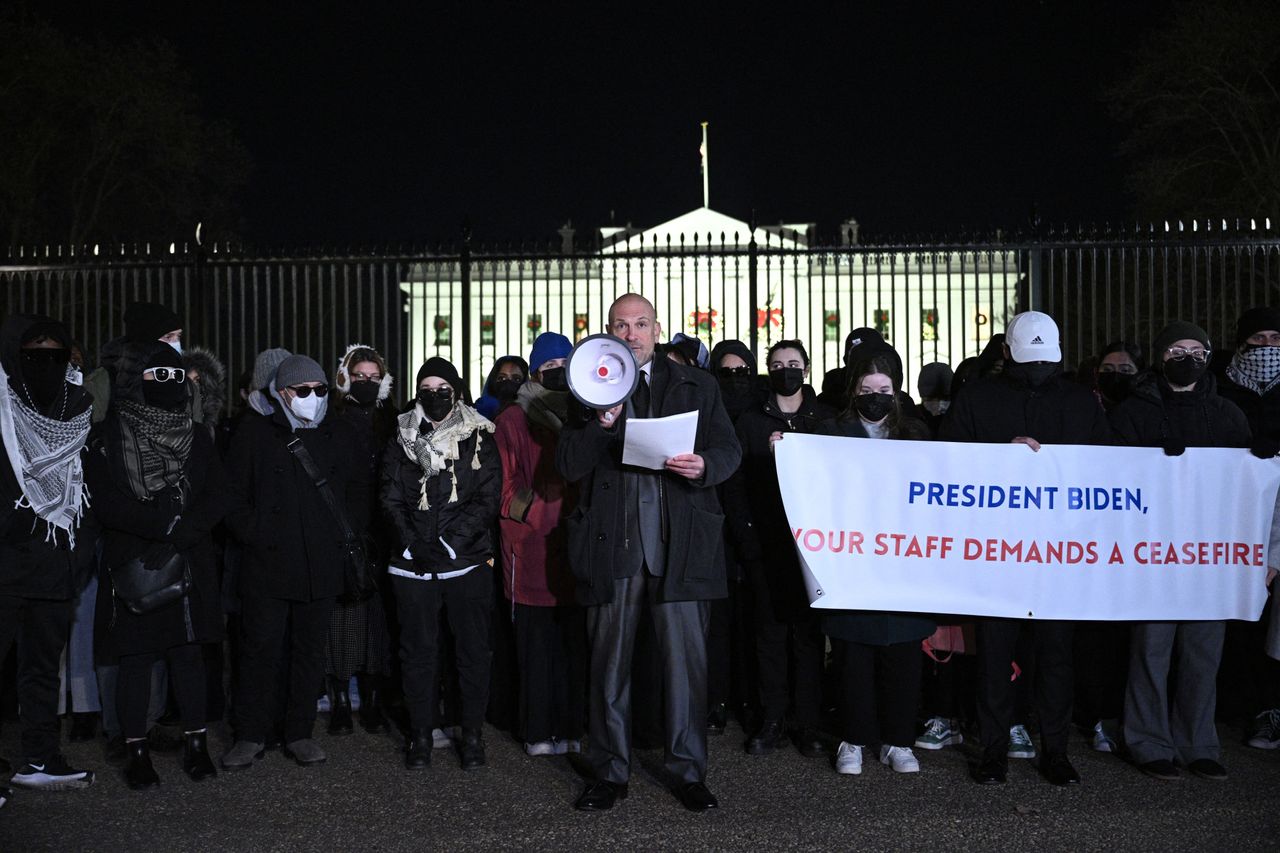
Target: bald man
[(641, 536)]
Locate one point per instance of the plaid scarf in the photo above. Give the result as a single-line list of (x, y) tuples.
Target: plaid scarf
[(154, 445), (433, 451)]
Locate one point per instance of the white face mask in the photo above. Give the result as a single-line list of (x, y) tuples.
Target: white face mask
[(307, 408), (936, 407), (177, 345)]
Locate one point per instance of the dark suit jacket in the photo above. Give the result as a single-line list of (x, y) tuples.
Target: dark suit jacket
[(590, 455)]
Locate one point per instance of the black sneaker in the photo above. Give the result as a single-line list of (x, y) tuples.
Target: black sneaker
[(53, 774)]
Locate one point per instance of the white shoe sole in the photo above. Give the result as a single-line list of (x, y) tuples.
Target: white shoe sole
[(897, 769), (953, 740), (1021, 753), (849, 771), (1260, 743), (51, 783)]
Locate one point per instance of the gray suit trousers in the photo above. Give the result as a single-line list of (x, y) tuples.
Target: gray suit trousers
[(681, 627), (1152, 730)]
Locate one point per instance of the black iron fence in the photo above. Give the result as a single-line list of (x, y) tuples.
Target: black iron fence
[(934, 300)]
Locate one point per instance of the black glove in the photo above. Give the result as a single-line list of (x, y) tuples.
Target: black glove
[(1173, 447), (428, 557), (1264, 446)]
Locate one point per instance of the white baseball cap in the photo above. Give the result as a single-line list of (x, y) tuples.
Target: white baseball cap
[(1033, 336)]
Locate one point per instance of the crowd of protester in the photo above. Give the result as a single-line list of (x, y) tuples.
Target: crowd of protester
[(523, 576)]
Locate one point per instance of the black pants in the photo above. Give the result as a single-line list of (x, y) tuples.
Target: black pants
[(469, 602), (950, 687), (731, 659), (41, 629), (187, 680), (551, 645), (789, 655), (879, 693), (1103, 651), (1051, 681), (276, 633)]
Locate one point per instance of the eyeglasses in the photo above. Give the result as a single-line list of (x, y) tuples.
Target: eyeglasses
[(164, 374), (366, 377), (734, 371), (1199, 356), (304, 391)]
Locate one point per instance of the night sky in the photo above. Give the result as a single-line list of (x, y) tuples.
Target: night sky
[(378, 122)]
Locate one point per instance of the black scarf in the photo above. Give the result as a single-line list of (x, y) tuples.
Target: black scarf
[(153, 446)]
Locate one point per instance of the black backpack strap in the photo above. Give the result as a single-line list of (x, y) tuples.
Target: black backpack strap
[(300, 452)]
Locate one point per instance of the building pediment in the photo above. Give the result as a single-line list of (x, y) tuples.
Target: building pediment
[(700, 229)]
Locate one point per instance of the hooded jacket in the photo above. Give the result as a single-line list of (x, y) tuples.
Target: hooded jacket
[(209, 395), (1154, 415)]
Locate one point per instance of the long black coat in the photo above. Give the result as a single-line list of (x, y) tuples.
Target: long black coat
[(1154, 415), (466, 525), (293, 546), (997, 409), (591, 456), (754, 512), (1261, 410), (130, 527)]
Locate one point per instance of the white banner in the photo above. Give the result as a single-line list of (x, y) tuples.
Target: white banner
[(1070, 532)]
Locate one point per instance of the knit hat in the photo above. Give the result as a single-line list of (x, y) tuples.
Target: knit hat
[(732, 347), (934, 380), (442, 369), (547, 346), (1260, 319), (149, 321), (1176, 331), (1033, 336), (266, 365), (297, 369)]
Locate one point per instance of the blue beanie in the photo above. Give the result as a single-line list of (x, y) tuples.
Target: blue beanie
[(547, 346)]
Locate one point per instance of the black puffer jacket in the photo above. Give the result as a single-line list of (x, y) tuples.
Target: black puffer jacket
[(1154, 415), (293, 545), (466, 525), (998, 409)]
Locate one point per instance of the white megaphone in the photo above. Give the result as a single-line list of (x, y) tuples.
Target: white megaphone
[(602, 371)]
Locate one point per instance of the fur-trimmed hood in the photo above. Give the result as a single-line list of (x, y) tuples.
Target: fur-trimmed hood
[(355, 354), (213, 382)]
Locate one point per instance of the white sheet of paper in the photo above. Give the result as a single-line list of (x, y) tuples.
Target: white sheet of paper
[(650, 442)]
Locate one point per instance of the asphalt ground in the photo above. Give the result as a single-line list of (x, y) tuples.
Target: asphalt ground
[(362, 799)]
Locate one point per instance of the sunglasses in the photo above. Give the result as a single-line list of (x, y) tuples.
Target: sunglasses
[(734, 371), (304, 391), (48, 356), (164, 374)]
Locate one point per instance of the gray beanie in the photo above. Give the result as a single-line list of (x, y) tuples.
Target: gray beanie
[(265, 366), (297, 369)]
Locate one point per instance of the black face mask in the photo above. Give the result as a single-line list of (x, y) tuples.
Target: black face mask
[(1034, 373), (165, 395), (553, 379), (44, 372), (786, 381), (437, 404), (734, 386), (504, 390), (873, 407), (1115, 386), (1184, 372), (364, 392)]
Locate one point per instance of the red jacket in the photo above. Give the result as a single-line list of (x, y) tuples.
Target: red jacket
[(535, 501)]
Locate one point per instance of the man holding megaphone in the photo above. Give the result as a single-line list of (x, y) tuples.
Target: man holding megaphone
[(642, 535)]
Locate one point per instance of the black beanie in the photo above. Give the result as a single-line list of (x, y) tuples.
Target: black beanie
[(1260, 319), (441, 368), (149, 321), (732, 347), (1176, 331)]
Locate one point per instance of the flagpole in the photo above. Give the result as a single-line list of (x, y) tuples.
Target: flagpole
[(706, 193)]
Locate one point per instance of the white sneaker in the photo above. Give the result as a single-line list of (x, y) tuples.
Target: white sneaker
[(1102, 742), (938, 732), (442, 738), (54, 774), (849, 759), (1020, 745), (566, 746), (542, 747), (900, 758)]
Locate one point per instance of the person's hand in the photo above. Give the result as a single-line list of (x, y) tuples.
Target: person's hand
[(423, 558), (1028, 441), (1264, 447), (1173, 447), (687, 465), (609, 417), (774, 438), (1271, 574)]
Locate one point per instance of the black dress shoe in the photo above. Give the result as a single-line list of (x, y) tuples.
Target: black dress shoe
[(767, 738), (339, 708), (809, 743), (1162, 769), (600, 797), (195, 757), (1207, 768), (372, 720), (138, 772), (471, 749), (84, 727), (695, 797), (990, 771), (417, 754), (717, 719), (1057, 769)]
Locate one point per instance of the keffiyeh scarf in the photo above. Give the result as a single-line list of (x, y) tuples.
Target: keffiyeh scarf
[(45, 456), (1257, 369), (154, 446), (433, 451)]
